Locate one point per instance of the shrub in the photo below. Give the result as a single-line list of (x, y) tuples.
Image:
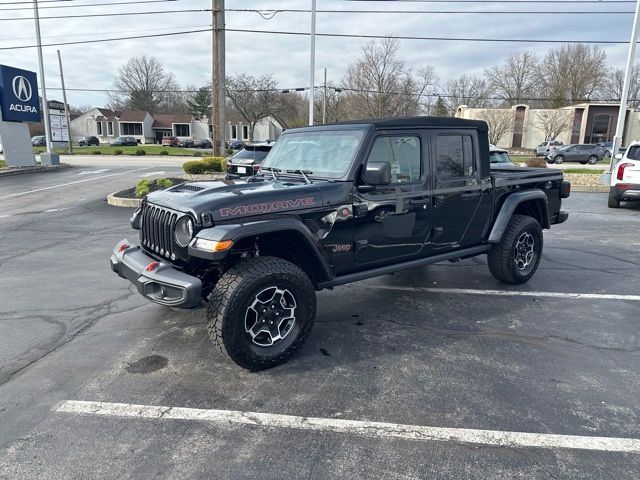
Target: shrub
[(141, 151), (214, 164), (142, 187), (229, 151), (194, 167), (164, 183), (117, 152), (96, 152), (536, 162), (197, 154), (164, 152)]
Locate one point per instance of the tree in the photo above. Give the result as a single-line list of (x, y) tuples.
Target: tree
[(199, 102), (465, 90), (553, 123), (515, 79), (379, 84), (572, 74), (254, 98), (440, 108), (144, 84), (612, 89), (499, 121)]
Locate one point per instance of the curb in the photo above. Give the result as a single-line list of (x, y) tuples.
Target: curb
[(123, 202), (590, 188), (35, 169)]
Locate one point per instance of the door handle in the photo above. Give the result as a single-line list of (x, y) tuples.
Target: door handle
[(419, 203), (438, 199), (470, 195)]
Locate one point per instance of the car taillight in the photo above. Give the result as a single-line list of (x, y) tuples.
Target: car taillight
[(565, 189), (621, 169), (256, 167)]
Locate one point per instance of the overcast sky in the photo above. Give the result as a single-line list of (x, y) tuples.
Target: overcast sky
[(92, 66)]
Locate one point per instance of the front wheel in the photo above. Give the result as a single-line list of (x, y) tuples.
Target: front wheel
[(261, 311), (592, 160), (516, 258), (558, 159)]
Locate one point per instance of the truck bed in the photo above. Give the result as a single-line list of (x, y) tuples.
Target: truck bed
[(518, 176)]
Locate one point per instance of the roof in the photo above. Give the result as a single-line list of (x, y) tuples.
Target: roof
[(132, 116), (166, 121), (419, 122), (107, 114)]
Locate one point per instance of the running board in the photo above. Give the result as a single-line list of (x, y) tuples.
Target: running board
[(398, 267)]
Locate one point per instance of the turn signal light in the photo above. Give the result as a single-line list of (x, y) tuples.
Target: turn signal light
[(213, 245), (152, 266)]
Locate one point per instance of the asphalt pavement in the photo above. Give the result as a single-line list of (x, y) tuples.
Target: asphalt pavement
[(428, 361)]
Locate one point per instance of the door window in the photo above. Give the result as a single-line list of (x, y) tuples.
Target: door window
[(402, 152), (454, 157)]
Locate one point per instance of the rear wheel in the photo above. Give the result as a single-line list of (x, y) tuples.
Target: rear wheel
[(613, 201), (516, 258), (592, 160), (558, 159), (261, 311)]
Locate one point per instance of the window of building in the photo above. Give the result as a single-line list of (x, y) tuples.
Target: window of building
[(245, 132), (110, 129), (182, 129), (402, 152), (234, 132), (99, 127), (454, 156), (131, 129)]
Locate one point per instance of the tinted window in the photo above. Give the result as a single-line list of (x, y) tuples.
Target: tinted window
[(454, 156), (634, 153), (499, 157), (253, 153), (402, 152)]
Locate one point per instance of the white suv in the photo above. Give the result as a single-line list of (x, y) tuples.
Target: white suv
[(625, 179)]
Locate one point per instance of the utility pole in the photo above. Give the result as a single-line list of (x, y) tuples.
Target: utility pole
[(324, 99), (617, 139), (66, 105), (312, 63), (49, 158), (218, 78)]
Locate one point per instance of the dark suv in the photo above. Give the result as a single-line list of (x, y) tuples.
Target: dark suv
[(124, 142), (584, 154), (247, 161), (88, 141)]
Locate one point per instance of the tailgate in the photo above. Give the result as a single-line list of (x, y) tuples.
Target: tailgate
[(632, 174)]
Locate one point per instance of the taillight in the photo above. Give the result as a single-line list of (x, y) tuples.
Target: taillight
[(621, 169), (256, 167), (565, 189)]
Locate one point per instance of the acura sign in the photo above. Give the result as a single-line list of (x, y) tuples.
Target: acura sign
[(19, 99)]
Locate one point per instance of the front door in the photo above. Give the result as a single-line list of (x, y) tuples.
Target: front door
[(457, 192), (393, 221)]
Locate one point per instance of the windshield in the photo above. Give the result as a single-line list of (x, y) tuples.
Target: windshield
[(252, 153), (499, 157), (327, 153)]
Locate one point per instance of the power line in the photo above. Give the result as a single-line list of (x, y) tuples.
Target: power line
[(272, 13), (135, 2), (110, 14), (555, 2)]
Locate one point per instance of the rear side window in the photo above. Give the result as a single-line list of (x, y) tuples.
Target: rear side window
[(454, 156), (402, 152), (634, 153)]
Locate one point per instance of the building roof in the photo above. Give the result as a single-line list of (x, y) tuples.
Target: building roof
[(419, 122), (166, 121), (132, 116), (107, 114)]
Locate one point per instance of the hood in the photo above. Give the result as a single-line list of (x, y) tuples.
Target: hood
[(227, 199)]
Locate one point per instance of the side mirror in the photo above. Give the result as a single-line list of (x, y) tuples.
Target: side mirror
[(377, 173), (618, 156)]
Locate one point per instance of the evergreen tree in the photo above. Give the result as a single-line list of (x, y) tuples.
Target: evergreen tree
[(440, 109), (200, 102)]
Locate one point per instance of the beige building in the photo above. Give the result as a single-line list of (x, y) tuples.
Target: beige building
[(528, 127)]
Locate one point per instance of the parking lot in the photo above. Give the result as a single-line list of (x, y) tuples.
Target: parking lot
[(438, 372)]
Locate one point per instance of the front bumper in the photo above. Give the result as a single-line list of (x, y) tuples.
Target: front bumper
[(162, 284)]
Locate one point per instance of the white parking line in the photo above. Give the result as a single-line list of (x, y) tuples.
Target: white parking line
[(92, 179), (506, 293), (355, 427), (94, 172)]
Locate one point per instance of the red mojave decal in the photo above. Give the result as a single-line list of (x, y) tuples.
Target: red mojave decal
[(267, 207)]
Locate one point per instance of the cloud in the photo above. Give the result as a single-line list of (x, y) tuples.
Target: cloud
[(93, 66)]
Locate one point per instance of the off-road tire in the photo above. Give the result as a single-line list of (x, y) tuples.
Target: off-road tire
[(613, 202), (501, 256), (233, 294)]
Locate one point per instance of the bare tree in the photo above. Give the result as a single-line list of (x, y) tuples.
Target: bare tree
[(254, 98), (144, 84), (379, 84), (612, 89), (499, 121), (572, 74), (465, 90), (515, 79), (553, 123)]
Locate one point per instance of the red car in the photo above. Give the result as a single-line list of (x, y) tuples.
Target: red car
[(170, 142)]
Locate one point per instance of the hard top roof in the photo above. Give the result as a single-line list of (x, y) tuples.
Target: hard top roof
[(401, 122)]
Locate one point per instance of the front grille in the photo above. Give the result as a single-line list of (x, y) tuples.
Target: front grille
[(158, 228)]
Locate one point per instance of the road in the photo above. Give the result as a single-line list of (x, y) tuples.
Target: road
[(418, 352)]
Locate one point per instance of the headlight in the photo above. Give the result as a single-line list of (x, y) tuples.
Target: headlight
[(184, 231)]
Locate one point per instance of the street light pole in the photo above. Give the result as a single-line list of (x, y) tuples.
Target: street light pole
[(45, 106), (312, 63), (66, 105), (324, 99)]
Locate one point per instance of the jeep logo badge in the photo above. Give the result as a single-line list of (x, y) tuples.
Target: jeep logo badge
[(22, 88)]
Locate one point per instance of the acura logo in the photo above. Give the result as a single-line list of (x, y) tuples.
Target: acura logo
[(22, 89)]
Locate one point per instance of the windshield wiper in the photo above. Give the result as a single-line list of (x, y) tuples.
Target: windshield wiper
[(273, 171), (304, 173)]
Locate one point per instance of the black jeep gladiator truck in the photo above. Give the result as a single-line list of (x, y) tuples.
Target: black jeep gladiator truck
[(332, 205)]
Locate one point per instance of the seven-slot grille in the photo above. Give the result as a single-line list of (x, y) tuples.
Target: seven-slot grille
[(158, 228)]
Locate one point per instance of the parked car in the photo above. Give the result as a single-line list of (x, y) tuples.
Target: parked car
[(499, 157), (625, 179), (202, 143), (39, 141), (124, 142), (186, 143), (88, 141), (236, 144), (248, 160), (333, 205), (584, 154), (170, 142), (608, 146), (546, 147)]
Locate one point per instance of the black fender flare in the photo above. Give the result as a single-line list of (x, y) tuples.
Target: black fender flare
[(509, 206), (238, 231)]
